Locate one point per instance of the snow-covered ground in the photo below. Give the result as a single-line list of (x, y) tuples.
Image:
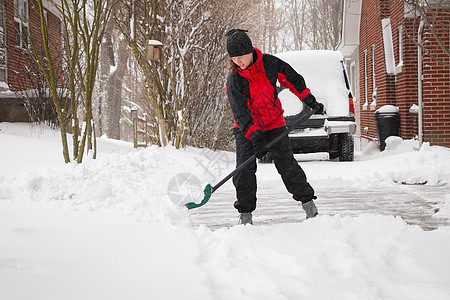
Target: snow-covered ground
[(109, 228)]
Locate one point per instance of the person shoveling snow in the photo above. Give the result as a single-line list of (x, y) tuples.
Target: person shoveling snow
[(258, 115)]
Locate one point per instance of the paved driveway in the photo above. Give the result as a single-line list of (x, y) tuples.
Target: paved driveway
[(416, 204)]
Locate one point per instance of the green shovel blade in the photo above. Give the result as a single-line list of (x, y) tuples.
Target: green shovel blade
[(207, 192)]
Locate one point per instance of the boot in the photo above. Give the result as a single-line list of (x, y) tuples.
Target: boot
[(310, 209), (245, 218)]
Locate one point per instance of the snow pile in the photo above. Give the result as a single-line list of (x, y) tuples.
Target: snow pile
[(326, 258), (124, 182), (403, 164), (445, 211), (137, 182), (70, 231), (400, 163), (134, 182)]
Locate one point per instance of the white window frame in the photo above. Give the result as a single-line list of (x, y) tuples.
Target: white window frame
[(46, 17), (353, 79), (400, 45), (373, 105), (399, 67), (22, 23), (366, 93)]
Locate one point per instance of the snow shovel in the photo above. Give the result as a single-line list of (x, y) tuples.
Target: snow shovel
[(290, 121)]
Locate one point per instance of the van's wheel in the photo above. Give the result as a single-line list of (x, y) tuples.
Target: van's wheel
[(333, 154), (334, 151), (266, 159), (346, 147)]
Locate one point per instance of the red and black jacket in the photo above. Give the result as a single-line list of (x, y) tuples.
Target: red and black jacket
[(253, 94)]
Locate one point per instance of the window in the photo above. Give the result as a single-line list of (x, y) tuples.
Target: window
[(353, 79), (399, 67), (400, 46), (21, 23), (374, 94), (366, 100)]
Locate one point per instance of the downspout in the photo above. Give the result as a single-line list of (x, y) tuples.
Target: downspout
[(420, 80)]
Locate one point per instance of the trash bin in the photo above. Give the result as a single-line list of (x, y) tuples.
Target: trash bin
[(387, 121)]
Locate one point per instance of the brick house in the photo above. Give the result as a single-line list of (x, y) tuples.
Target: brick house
[(15, 65), (378, 42)]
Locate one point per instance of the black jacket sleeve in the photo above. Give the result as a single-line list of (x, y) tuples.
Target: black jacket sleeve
[(290, 79)]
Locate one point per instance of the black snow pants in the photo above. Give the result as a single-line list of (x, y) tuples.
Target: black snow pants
[(292, 174)]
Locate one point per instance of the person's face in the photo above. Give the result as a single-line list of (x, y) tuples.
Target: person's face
[(243, 61)]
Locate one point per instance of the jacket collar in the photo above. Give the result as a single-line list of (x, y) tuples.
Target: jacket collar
[(257, 66)]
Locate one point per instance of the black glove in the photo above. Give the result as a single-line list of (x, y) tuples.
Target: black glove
[(311, 101), (319, 107), (259, 143)]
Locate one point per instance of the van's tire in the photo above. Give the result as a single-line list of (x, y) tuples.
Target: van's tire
[(333, 154), (334, 148), (346, 147), (266, 159)]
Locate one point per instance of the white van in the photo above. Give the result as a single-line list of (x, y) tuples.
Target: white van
[(325, 76)]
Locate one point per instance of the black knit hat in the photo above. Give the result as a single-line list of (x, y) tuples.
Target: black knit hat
[(238, 43)]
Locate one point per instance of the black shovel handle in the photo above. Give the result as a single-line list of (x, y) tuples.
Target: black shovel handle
[(299, 118)]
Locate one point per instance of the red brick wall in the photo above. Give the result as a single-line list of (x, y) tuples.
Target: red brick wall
[(402, 89), (406, 80), (372, 12), (17, 57), (366, 39), (436, 81), (436, 85)]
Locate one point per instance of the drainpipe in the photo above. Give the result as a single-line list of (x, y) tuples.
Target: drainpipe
[(420, 80)]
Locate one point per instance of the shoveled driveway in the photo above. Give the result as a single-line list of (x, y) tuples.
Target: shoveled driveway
[(416, 204)]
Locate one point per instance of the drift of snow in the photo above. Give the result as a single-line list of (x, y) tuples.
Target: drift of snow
[(107, 229)]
